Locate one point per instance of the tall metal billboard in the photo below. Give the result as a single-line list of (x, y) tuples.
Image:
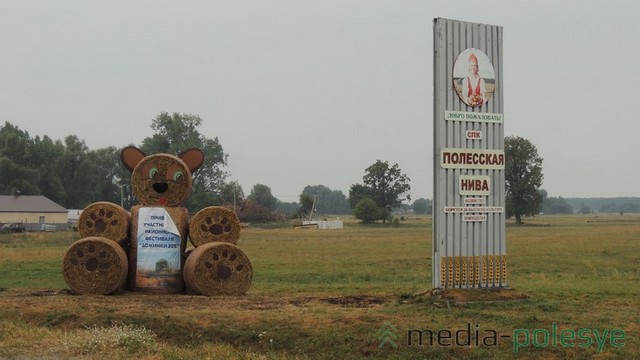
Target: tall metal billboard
[(469, 245)]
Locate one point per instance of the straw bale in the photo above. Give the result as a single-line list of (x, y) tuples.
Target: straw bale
[(105, 219), (95, 265), (218, 268), (214, 224)]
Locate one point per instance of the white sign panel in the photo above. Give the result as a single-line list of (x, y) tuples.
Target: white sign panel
[(454, 158), (472, 116), (473, 135), (474, 185), (474, 217), (473, 209), (475, 201), (159, 251)]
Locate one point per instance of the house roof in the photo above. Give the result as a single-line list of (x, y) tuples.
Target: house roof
[(29, 203)]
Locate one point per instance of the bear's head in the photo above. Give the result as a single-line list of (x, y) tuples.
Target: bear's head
[(161, 179)]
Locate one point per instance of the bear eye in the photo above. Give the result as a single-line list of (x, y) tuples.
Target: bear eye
[(178, 176), (152, 172)]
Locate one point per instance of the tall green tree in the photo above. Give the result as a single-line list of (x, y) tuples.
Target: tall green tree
[(357, 193), (44, 158), (15, 143), (17, 179), (16, 171), (109, 175), (523, 177), (261, 195), (386, 185), (75, 171), (177, 132)]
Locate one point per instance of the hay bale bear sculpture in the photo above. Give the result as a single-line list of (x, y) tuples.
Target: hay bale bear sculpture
[(155, 234)]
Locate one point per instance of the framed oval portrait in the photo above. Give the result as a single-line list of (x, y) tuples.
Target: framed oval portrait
[(474, 78)]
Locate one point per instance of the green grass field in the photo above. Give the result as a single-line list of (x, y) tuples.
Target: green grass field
[(331, 294)]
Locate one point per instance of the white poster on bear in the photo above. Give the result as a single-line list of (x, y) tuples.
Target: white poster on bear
[(158, 263)]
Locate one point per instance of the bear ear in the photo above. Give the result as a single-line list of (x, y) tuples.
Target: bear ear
[(131, 156), (193, 157)]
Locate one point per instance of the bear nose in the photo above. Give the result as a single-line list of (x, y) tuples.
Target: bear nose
[(160, 187)]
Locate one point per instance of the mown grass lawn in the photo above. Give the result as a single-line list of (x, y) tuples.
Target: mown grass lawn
[(334, 293)]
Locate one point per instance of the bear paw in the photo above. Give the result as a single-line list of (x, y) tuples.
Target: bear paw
[(218, 269), (95, 265), (104, 219), (214, 224)]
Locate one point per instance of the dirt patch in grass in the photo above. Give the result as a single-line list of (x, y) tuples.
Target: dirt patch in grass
[(360, 301), (42, 303)]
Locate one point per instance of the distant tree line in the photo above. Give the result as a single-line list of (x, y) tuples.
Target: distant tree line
[(74, 176), (560, 205), (554, 205), (65, 171)]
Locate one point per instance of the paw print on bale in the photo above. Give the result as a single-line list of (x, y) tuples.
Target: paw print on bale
[(104, 219), (218, 269), (224, 264), (214, 224), (95, 265)]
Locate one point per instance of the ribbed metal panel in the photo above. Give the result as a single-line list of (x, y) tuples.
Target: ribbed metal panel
[(466, 254)]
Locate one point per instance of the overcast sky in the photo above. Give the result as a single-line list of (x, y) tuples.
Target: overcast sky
[(313, 92)]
